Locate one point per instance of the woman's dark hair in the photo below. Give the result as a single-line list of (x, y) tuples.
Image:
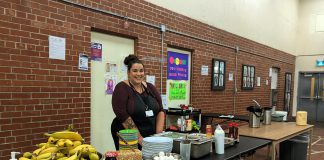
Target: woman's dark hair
[(130, 60)]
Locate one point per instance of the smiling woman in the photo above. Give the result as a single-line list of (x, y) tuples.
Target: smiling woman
[(136, 104)]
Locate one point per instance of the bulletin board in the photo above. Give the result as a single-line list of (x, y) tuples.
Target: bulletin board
[(178, 78)]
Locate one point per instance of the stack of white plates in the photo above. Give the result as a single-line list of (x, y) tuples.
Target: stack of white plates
[(154, 145)]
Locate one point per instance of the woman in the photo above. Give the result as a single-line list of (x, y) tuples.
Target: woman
[(137, 104)]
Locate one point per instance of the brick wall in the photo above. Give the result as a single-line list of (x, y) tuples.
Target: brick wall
[(38, 94)]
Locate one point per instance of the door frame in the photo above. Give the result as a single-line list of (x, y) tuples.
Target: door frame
[(317, 87)]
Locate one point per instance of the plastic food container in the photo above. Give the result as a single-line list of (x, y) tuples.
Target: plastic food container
[(277, 117)]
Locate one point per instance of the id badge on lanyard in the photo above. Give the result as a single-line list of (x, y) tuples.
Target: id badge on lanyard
[(148, 112)]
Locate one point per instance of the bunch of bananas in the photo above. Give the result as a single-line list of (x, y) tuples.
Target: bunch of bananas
[(62, 145)]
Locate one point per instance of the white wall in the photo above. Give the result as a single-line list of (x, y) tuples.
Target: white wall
[(310, 30), (310, 40), (269, 22), (304, 64)]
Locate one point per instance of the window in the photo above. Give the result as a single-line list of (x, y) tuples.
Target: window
[(248, 80), (218, 74), (288, 78)]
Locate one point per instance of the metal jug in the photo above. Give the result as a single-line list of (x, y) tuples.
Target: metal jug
[(254, 116), (267, 115)]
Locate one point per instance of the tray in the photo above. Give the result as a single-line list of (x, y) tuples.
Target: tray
[(200, 145)]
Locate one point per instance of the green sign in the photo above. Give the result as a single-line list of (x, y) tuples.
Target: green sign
[(177, 90)]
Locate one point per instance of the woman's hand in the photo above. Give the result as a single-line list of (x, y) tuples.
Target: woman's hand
[(140, 140)]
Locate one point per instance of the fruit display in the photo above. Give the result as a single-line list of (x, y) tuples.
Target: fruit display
[(62, 145)]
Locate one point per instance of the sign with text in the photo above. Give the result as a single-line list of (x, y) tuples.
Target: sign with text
[(177, 66), (96, 51), (177, 91)]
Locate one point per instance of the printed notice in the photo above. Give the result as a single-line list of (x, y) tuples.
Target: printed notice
[(56, 47), (150, 79), (204, 70), (83, 61), (177, 90)]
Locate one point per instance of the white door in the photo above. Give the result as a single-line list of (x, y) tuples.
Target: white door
[(114, 50)]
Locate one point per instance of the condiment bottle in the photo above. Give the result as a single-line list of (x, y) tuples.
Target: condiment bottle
[(208, 131), (219, 137), (111, 155), (179, 124), (188, 125)]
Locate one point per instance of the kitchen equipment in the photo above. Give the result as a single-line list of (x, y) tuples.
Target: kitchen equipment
[(219, 136), (267, 115), (254, 116), (301, 118), (153, 145), (282, 113), (185, 149), (200, 145), (125, 142), (277, 117)]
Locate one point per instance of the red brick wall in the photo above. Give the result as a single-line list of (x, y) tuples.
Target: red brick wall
[(38, 94)]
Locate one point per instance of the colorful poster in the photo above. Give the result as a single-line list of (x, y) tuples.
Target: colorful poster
[(177, 66), (96, 51), (177, 91), (110, 83)]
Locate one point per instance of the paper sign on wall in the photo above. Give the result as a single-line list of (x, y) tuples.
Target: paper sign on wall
[(83, 61), (110, 83), (164, 101), (56, 47), (177, 66), (230, 76), (150, 79), (177, 91), (96, 51), (204, 70)]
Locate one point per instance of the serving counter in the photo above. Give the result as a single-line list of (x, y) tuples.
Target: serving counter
[(246, 145), (278, 132)]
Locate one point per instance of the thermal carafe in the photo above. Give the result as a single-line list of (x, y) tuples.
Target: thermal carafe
[(254, 116), (267, 115)]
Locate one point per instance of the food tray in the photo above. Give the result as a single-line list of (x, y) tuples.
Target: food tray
[(200, 145), (228, 142)]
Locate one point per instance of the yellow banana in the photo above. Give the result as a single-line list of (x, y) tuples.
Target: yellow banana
[(60, 143), (49, 150), (36, 152), (93, 156), (44, 156), (76, 143), (27, 155), (74, 156), (40, 145), (59, 155), (87, 150), (52, 140), (73, 151), (65, 135), (63, 158), (68, 143), (23, 158)]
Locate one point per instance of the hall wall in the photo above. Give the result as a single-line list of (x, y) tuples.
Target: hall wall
[(39, 94)]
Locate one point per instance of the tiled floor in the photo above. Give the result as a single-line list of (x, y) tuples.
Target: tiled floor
[(317, 145)]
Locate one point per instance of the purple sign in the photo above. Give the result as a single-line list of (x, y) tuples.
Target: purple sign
[(177, 66), (96, 51)]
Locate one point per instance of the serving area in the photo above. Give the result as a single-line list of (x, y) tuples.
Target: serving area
[(246, 145), (278, 132)]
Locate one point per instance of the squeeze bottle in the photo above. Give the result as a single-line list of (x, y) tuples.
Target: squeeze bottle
[(13, 155), (219, 137)]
